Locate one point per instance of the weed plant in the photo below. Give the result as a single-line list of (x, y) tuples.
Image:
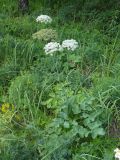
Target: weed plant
[(66, 106)]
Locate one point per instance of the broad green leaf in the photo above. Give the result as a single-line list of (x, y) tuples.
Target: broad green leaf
[(66, 124), (98, 131), (76, 109)]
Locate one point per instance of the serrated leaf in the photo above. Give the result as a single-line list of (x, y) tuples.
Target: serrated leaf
[(98, 131), (83, 132), (66, 124), (76, 109), (95, 125)]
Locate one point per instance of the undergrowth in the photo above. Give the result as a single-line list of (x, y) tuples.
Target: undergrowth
[(65, 106)]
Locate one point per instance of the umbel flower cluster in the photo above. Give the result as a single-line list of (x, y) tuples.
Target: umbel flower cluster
[(117, 153), (52, 47), (70, 44), (46, 35), (44, 19), (49, 35)]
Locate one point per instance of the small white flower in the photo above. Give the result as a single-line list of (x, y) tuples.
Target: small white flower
[(52, 47), (44, 19), (117, 153), (70, 44)]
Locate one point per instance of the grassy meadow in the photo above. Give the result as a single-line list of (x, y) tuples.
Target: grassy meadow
[(65, 106)]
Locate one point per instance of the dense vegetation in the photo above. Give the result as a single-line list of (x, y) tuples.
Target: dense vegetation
[(65, 106)]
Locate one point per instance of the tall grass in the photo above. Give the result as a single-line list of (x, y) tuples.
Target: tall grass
[(66, 106)]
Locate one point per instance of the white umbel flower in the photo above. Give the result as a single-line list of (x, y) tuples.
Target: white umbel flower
[(44, 19), (70, 44), (117, 153), (52, 47)]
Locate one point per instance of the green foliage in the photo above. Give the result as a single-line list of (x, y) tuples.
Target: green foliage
[(78, 118), (18, 26), (24, 90), (7, 73), (66, 106), (86, 150), (77, 112), (19, 51)]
